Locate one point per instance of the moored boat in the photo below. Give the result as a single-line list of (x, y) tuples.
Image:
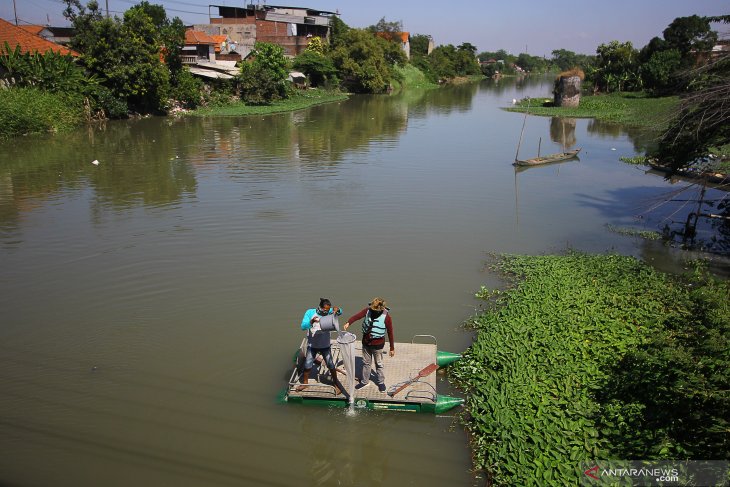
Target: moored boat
[(536, 161)]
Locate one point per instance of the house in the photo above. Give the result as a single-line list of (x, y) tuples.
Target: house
[(289, 27), (28, 41), (202, 54), (401, 37), (59, 35)]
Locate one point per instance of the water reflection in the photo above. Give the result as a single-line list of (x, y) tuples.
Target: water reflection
[(642, 138), (562, 131)]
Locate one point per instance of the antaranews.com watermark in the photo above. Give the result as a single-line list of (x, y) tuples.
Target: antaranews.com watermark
[(641, 473)]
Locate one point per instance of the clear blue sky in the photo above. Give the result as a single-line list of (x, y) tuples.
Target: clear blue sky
[(537, 26)]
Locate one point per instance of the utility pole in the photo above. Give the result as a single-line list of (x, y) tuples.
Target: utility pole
[(107, 9), (16, 13)]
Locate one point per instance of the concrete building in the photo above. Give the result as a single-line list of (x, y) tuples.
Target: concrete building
[(289, 27)]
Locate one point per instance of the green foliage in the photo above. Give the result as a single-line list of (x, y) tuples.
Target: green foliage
[(188, 89), (616, 68), (412, 77), (448, 61), (659, 73), (362, 61), (631, 232), (50, 71), (262, 80), (32, 110), (338, 29), (670, 398), (703, 119), (419, 45), (300, 99), (125, 53), (564, 59), (635, 109), (318, 68), (315, 45), (687, 34), (533, 64), (549, 346), (385, 26)]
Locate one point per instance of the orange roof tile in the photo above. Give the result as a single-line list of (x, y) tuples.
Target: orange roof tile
[(15, 36), (33, 29), (198, 37), (403, 36)]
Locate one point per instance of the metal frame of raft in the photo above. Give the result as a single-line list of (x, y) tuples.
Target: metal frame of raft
[(416, 394)]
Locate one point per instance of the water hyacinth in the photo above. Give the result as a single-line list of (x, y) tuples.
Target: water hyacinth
[(545, 348)]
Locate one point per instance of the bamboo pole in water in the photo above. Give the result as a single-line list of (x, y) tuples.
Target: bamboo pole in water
[(523, 130)]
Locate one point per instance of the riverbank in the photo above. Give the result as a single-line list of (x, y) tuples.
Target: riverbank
[(30, 110), (299, 100), (589, 357), (638, 109)]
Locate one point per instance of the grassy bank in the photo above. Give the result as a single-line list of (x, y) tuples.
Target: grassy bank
[(627, 108), (586, 358), (301, 99), (30, 110), (412, 77)]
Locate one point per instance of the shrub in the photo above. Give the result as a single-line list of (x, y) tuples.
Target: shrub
[(30, 110)]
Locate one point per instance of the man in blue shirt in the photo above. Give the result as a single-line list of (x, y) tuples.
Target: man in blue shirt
[(318, 339)]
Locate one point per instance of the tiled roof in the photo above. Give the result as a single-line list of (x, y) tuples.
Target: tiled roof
[(403, 36), (33, 29), (218, 41), (15, 36), (198, 37)]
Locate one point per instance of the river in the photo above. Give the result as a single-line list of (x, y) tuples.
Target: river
[(151, 302)]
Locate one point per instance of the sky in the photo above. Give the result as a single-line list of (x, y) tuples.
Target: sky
[(534, 26)]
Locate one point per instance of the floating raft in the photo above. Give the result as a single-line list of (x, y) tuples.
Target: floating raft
[(419, 395)]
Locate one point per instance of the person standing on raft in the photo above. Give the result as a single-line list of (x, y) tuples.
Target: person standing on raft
[(319, 322), (376, 322)]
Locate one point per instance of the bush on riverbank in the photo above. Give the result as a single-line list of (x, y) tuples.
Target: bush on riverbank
[(592, 357), (298, 100), (636, 109), (30, 110)]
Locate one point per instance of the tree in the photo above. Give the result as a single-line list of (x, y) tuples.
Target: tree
[(703, 120), (688, 34), (564, 59), (262, 80), (659, 73), (616, 68), (531, 63), (338, 28), (315, 45), (360, 58), (419, 44), (125, 53), (385, 26), (318, 67)]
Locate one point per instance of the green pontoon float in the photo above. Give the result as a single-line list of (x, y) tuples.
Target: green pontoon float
[(410, 376)]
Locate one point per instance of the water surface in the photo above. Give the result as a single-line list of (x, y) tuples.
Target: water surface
[(151, 304)]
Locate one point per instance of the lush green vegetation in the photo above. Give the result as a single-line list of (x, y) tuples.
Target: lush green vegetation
[(588, 357), (412, 77), (31, 110), (628, 108), (632, 232), (298, 100)]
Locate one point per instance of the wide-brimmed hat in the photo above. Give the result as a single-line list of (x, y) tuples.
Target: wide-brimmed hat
[(377, 304)]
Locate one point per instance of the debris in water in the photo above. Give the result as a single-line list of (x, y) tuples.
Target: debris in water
[(95, 162)]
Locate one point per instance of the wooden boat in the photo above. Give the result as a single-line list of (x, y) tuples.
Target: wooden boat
[(536, 161)]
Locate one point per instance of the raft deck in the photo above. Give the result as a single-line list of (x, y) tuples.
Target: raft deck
[(410, 358)]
